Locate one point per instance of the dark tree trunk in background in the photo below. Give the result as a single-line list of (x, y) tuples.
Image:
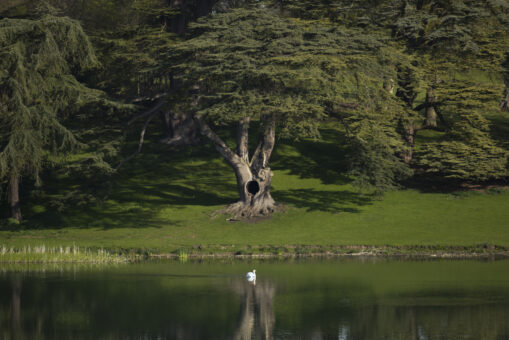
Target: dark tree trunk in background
[(504, 104), (182, 129), (254, 177), (14, 198), (406, 86), (166, 120), (189, 10), (410, 139), (389, 85), (431, 115)]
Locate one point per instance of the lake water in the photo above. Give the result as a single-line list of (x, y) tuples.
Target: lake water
[(351, 298)]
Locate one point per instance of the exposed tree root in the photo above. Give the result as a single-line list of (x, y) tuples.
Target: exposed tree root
[(242, 210)]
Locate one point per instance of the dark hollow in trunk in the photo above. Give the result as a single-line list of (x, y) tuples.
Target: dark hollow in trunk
[(253, 187), (14, 198), (254, 193)]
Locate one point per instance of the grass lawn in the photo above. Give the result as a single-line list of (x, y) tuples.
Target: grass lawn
[(162, 202)]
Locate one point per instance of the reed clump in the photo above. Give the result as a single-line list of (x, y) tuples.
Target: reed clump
[(58, 254)]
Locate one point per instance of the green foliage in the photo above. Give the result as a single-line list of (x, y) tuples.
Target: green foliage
[(463, 161), (470, 153), (374, 155), (47, 115), (37, 87)]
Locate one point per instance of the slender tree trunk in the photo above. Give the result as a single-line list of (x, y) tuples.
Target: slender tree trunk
[(166, 120), (410, 139), (504, 104), (14, 198), (431, 115)]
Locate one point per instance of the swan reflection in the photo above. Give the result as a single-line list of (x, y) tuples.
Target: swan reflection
[(257, 317)]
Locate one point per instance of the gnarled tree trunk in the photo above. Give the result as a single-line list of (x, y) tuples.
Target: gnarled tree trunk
[(254, 175), (14, 197)]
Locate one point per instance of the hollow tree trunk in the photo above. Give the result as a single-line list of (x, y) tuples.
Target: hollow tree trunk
[(254, 192), (14, 198), (254, 177), (431, 115)]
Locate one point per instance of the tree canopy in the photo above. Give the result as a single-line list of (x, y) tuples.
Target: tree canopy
[(39, 64)]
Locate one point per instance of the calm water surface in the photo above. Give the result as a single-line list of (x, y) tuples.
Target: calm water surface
[(311, 299)]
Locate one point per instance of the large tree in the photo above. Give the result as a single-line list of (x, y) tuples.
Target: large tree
[(253, 67), (39, 62)]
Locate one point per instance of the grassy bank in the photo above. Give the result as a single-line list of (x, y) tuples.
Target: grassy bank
[(161, 203)]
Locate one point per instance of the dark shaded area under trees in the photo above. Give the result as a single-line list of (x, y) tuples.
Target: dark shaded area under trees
[(386, 73)]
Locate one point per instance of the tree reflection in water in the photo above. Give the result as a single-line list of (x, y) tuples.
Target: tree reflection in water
[(187, 302), (257, 313)]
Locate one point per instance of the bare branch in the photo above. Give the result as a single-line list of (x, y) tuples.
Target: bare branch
[(153, 109), (140, 145), (230, 156), (264, 149), (243, 138)]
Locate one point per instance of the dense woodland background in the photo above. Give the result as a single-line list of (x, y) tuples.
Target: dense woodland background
[(380, 94)]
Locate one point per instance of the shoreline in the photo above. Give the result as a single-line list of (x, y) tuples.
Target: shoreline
[(133, 255)]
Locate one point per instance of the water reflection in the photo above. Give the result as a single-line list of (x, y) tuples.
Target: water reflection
[(16, 283), (340, 300), (257, 314)]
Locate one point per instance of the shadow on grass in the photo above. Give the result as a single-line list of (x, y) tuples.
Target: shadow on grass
[(140, 193), (327, 201), (323, 159), (135, 197)]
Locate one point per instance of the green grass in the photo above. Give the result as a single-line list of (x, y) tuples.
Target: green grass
[(162, 201)]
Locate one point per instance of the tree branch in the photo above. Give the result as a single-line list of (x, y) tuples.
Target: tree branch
[(264, 149), (243, 139), (227, 153), (153, 109), (140, 145)]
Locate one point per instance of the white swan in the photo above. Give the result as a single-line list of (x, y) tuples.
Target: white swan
[(251, 276)]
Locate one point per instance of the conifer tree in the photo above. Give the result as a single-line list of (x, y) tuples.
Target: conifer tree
[(39, 59)]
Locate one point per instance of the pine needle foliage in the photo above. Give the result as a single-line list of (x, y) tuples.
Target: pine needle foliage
[(254, 62), (39, 61)]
